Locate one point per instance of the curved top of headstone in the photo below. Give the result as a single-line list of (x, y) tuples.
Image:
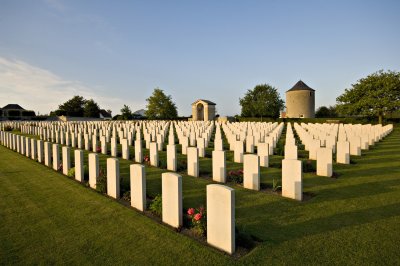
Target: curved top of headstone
[(219, 187), (300, 86)]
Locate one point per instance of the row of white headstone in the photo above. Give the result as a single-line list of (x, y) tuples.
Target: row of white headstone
[(264, 149), (220, 199), (321, 142)]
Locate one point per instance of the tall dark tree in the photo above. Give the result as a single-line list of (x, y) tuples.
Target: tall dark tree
[(160, 106), (262, 101), (376, 95), (126, 113), (326, 112), (72, 107), (91, 109)]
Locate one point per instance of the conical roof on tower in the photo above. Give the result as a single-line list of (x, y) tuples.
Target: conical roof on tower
[(300, 86)]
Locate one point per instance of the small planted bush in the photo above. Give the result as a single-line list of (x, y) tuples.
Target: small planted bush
[(309, 166), (275, 185), (8, 128), (127, 196), (101, 184), (181, 165), (60, 168), (162, 164), (85, 172), (71, 172), (156, 205), (235, 176), (197, 220), (146, 159)]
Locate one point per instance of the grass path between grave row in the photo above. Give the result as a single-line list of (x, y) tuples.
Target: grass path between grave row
[(48, 218)]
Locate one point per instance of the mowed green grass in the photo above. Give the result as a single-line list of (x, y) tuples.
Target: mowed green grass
[(355, 219)]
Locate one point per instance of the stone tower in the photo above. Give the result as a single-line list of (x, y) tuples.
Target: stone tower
[(300, 101)]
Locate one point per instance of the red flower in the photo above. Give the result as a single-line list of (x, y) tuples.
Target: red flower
[(190, 211), (197, 217)]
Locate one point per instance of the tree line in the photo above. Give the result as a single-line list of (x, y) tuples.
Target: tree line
[(78, 106), (376, 95)]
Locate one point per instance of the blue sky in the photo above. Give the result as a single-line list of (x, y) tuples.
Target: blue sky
[(117, 52)]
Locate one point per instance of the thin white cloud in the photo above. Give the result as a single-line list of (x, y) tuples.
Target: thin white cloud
[(56, 4), (42, 91)]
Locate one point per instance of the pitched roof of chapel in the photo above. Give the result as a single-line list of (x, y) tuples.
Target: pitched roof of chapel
[(206, 101)]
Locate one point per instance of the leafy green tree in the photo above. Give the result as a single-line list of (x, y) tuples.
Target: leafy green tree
[(72, 107), (322, 112), (126, 113), (262, 101), (160, 106), (326, 112), (376, 95), (91, 109)]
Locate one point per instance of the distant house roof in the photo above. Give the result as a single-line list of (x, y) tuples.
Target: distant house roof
[(206, 101), (139, 112), (13, 106), (300, 86), (105, 114)]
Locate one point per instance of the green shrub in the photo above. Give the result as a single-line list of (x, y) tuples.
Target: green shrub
[(71, 172), (275, 185), (127, 196), (8, 128), (235, 176), (197, 220), (85, 172), (309, 166), (101, 184), (181, 165), (162, 164), (156, 205)]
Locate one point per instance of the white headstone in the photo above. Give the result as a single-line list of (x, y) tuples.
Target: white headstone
[(292, 178), (138, 151), (172, 199), (221, 217), (138, 186), (219, 166), (290, 152), (343, 152), (171, 157), (153, 154), (93, 169), (324, 162), (125, 149), (113, 177), (47, 154), (79, 170), (192, 161), (40, 151), (238, 152), (251, 172), (56, 156), (66, 159), (263, 154)]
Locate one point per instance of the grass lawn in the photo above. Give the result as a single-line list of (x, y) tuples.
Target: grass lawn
[(47, 218)]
